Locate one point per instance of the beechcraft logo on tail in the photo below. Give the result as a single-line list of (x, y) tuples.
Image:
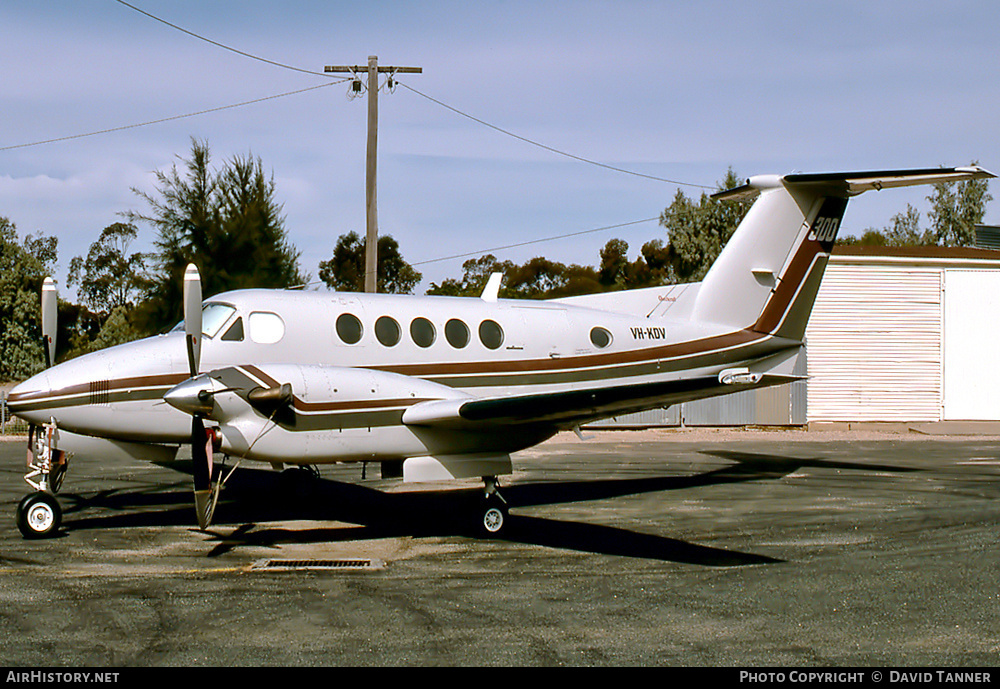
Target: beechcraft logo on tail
[(827, 223), (825, 229)]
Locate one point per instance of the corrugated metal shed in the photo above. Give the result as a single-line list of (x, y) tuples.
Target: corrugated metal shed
[(878, 335), (891, 338), (874, 343)]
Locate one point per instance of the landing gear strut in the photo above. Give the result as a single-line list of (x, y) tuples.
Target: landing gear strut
[(39, 514), (493, 510)]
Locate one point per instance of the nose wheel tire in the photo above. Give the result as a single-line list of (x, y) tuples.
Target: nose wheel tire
[(38, 515)]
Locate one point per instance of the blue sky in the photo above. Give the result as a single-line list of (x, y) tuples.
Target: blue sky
[(675, 90)]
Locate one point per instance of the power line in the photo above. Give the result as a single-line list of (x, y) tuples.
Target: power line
[(482, 252), (548, 148), (169, 119), (536, 241), (423, 95), (220, 45)]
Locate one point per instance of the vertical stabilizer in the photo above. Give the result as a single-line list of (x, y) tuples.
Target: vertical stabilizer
[(767, 276)]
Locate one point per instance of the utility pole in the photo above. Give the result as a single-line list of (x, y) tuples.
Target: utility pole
[(371, 234)]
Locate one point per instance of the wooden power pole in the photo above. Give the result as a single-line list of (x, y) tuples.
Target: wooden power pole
[(371, 234)]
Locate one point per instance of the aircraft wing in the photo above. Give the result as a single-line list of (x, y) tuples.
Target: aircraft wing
[(569, 408)]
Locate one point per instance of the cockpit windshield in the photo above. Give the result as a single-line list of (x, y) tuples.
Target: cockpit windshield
[(213, 317)]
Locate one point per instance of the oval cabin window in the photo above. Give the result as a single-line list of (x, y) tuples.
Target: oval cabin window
[(349, 328), (457, 333), (422, 331), (387, 331), (491, 334), (600, 337)]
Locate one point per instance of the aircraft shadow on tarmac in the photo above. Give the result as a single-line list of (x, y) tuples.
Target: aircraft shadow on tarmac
[(254, 495)]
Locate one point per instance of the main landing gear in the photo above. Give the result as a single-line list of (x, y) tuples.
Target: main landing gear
[(493, 510), (39, 514)]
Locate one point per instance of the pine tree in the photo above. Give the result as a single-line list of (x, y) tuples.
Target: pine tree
[(227, 223)]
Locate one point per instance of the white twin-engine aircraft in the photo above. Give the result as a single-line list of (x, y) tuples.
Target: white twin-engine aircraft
[(440, 387)]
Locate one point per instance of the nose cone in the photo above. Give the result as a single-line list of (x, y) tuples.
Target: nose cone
[(88, 394), (32, 400), (193, 396)]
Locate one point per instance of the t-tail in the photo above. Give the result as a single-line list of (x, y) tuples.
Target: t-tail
[(767, 276)]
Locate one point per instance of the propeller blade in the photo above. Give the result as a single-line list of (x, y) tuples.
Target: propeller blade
[(50, 308), (201, 455), (192, 316), (195, 397)]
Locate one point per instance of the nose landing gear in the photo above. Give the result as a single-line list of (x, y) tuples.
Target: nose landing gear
[(39, 514)]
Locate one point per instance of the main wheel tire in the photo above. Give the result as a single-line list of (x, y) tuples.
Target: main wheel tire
[(494, 518), (38, 515)]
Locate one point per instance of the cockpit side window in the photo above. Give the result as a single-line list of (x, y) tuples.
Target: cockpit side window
[(213, 317), (235, 332)]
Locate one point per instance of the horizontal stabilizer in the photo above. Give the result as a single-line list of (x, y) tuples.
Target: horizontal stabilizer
[(854, 183)]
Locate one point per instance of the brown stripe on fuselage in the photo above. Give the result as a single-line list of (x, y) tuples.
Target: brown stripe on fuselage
[(477, 374), (783, 296), (587, 361), (113, 386)]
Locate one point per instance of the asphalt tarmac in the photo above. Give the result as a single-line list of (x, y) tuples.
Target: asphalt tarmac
[(656, 549)]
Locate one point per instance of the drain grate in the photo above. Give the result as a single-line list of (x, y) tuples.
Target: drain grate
[(287, 565)]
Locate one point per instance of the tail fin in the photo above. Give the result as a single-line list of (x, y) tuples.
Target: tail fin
[(767, 276)]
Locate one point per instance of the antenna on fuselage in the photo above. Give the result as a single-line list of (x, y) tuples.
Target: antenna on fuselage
[(492, 290)]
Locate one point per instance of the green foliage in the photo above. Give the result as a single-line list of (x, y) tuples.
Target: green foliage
[(76, 330), (23, 267), (110, 278), (117, 329), (697, 232), (345, 271), (476, 272), (956, 208), (227, 223), (541, 278)]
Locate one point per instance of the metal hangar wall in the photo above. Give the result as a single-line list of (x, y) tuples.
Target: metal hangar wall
[(896, 335)]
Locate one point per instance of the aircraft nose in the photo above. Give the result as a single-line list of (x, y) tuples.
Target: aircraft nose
[(32, 399)]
